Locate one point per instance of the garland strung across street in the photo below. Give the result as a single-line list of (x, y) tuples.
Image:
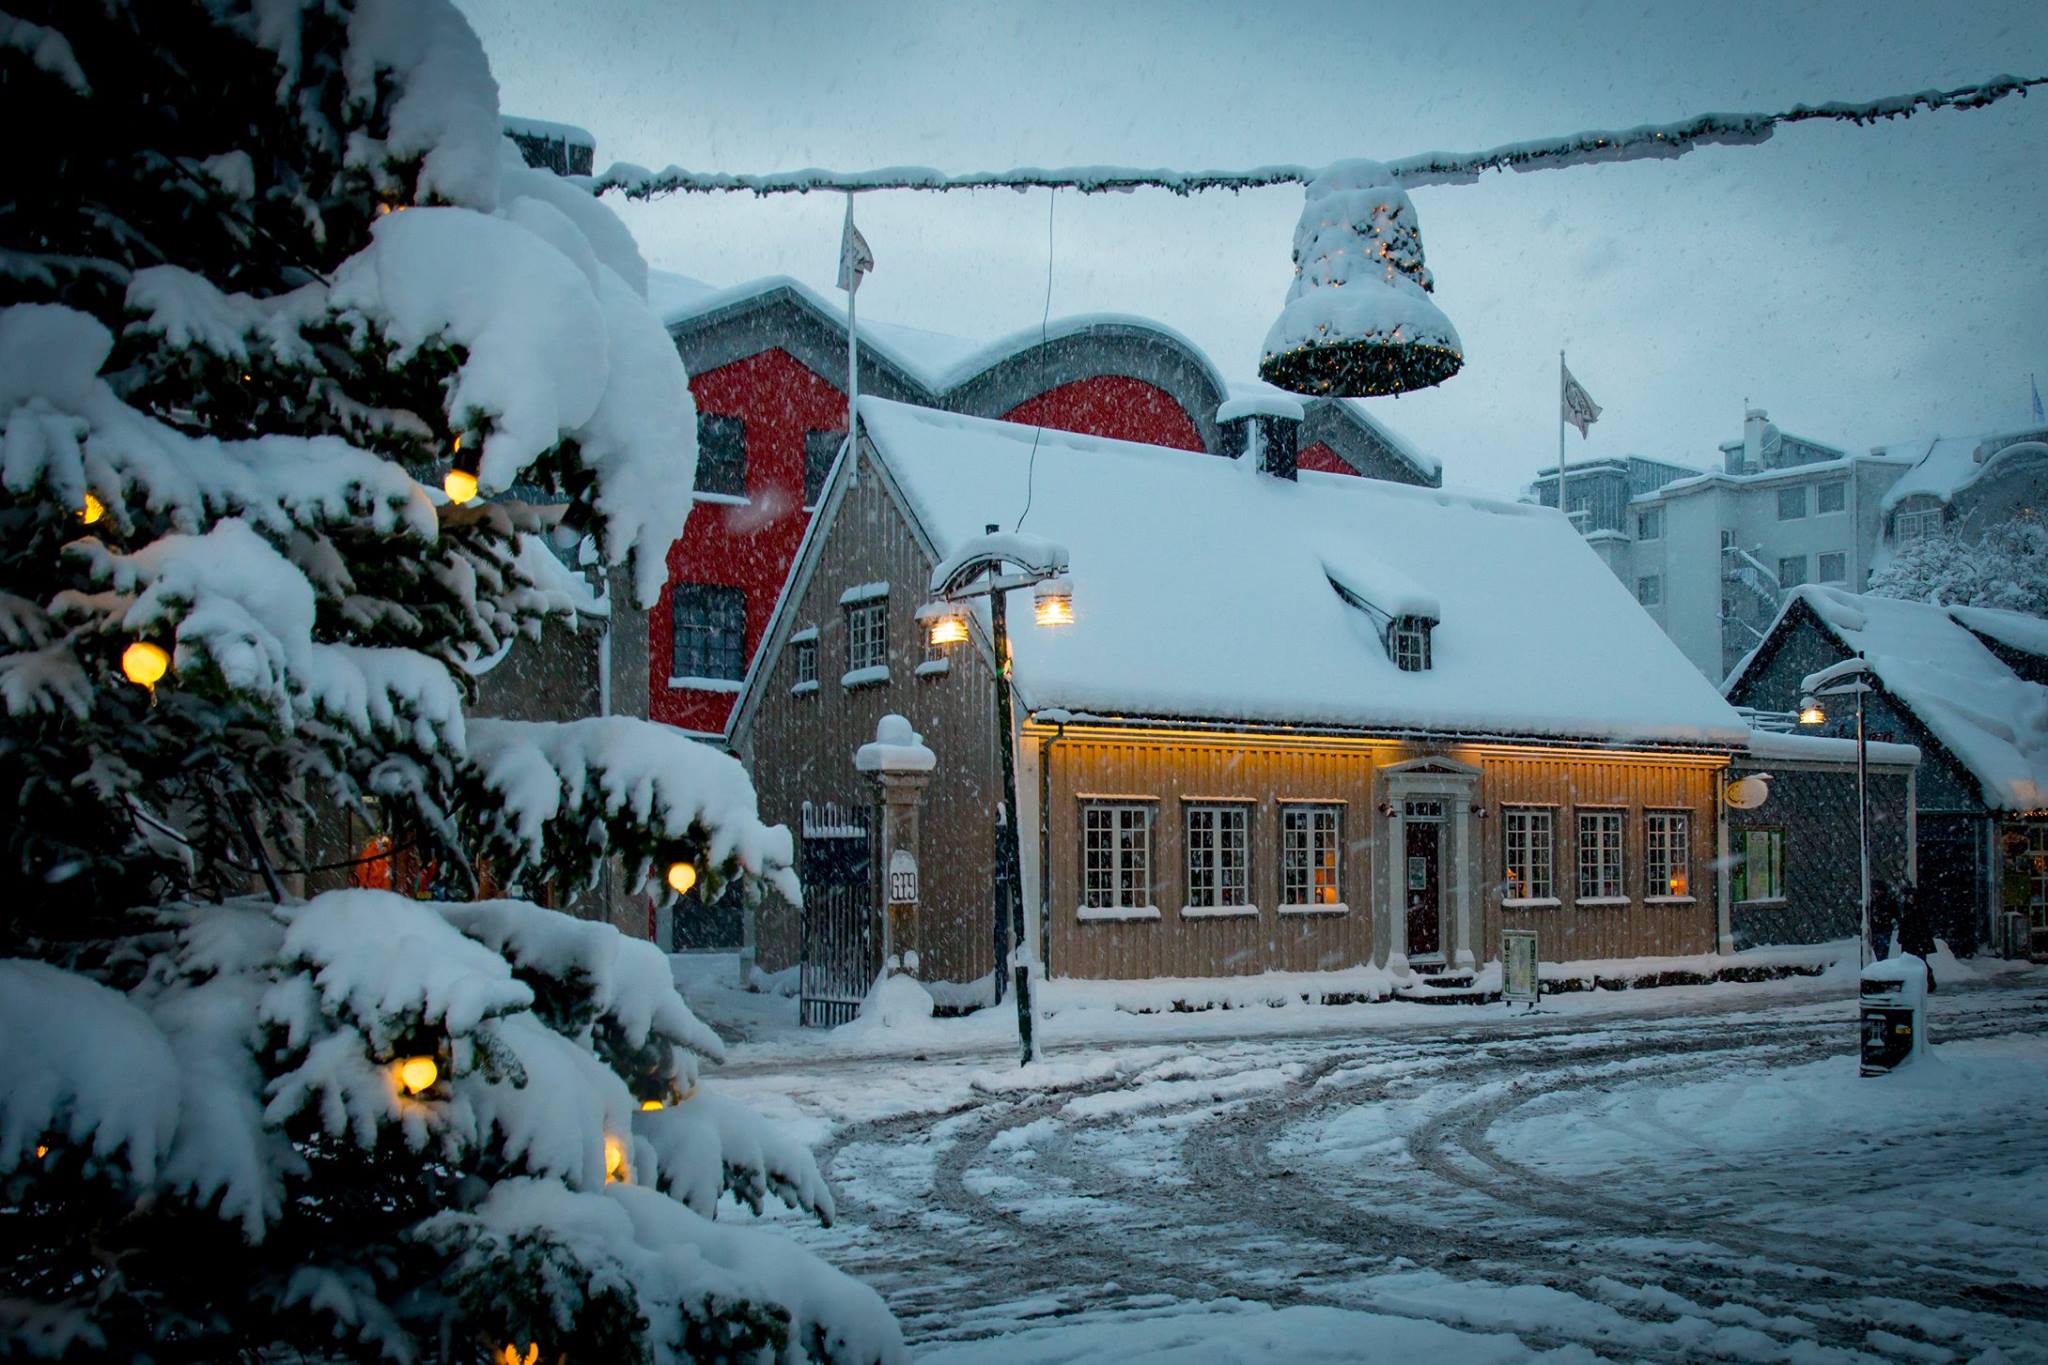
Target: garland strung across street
[(1358, 321)]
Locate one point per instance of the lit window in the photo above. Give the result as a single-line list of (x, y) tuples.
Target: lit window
[(721, 455), (1311, 867), (1650, 524), (1528, 834), (710, 631), (1218, 854), (1116, 856), (1834, 567), (1792, 502), (1759, 873), (1832, 496), (1650, 589), (1408, 643), (867, 634), (1667, 853), (1917, 525), (1791, 571), (2037, 879), (821, 448), (1600, 855)]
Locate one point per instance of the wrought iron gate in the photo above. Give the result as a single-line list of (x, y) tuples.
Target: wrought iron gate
[(840, 948)]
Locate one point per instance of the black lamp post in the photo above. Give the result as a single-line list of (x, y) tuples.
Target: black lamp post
[(1840, 680), (991, 566)]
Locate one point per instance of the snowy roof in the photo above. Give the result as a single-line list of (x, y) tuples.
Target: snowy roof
[(1993, 721), (2013, 629), (519, 126), (1788, 474), (1945, 465), (1205, 590)]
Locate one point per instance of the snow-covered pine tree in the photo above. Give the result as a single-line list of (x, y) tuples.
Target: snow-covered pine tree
[(267, 269), (2006, 566)]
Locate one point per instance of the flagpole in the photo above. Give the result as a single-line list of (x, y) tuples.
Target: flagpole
[(1560, 439), (852, 332)]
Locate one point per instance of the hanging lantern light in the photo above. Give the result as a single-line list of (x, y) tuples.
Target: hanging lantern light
[(145, 664), (681, 877), (1358, 321), (93, 510), (945, 622), (1053, 602), (418, 1073), (461, 485), (1810, 712)]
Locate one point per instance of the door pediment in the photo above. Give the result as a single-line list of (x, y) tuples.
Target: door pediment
[(1431, 767)]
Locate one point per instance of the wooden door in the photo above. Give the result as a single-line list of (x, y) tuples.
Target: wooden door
[(1421, 877)]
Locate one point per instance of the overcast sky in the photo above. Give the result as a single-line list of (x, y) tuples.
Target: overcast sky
[(1864, 285)]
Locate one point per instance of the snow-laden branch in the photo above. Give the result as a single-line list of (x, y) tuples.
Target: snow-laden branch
[(1663, 140)]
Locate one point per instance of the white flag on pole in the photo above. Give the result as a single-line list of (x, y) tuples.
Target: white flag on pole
[(1579, 408), (855, 260)]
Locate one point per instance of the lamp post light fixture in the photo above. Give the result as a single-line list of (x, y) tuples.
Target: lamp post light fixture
[(1847, 679), (990, 566)]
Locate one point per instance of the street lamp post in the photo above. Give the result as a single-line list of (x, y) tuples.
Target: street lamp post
[(1838, 680), (991, 566)]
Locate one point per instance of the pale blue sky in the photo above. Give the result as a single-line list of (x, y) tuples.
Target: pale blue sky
[(1864, 285)]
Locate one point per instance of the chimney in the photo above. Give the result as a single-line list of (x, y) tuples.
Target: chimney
[(1265, 429), (1753, 423)]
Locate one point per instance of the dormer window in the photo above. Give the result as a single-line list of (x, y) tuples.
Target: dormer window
[(1408, 643)]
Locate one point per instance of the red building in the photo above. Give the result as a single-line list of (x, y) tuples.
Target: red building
[(767, 364)]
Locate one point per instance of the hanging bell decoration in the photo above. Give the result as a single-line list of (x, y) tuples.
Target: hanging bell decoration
[(1358, 321)]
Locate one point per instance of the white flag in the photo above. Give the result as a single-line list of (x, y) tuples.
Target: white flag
[(855, 260), (1579, 408)]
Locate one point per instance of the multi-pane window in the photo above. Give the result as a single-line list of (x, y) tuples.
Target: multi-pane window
[(867, 634), (1791, 571), (1834, 567), (1650, 524), (1218, 853), (1667, 853), (1311, 867), (1529, 834), (1600, 855), (821, 448), (721, 455), (1759, 873), (1408, 642), (806, 653), (1650, 589), (1792, 502), (1116, 855), (1916, 525), (1832, 496), (710, 631), (2037, 877)]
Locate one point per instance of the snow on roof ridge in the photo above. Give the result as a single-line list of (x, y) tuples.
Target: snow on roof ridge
[(1949, 464)]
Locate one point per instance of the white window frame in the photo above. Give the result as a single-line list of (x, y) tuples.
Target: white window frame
[(1783, 560), (1217, 841), (867, 634), (1805, 503), (1820, 567), (1312, 858), (2037, 875), (1529, 855), (805, 661), (1774, 892), (1408, 643), (1820, 492), (1602, 856), (1667, 856), (1917, 524), (1116, 860)]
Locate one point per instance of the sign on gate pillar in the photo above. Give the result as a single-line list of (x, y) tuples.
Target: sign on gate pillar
[(901, 767)]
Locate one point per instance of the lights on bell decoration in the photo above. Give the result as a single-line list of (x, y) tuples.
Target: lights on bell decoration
[(418, 1073), (1359, 321), (1053, 602), (460, 484), (945, 623), (145, 664), (1810, 712), (682, 875), (93, 510)]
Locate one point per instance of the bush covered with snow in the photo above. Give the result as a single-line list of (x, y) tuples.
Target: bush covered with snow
[(277, 273)]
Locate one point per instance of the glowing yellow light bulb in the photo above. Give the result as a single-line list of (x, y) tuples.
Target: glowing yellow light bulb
[(681, 877), (41, 1151), (649, 1106), (509, 1354), (418, 1073), (145, 663), (93, 510), (460, 486), (614, 1159)]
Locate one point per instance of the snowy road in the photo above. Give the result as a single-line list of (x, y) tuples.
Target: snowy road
[(1701, 1176)]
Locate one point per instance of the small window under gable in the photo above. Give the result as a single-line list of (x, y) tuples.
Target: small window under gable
[(1408, 643), (1404, 630)]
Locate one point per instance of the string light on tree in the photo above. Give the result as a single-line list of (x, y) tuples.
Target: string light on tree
[(93, 510), (145, 664), (418, 1073), (614, 1160), (682, 875), (461, 484)]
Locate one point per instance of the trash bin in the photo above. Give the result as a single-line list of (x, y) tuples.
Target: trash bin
[(1894, 1013)]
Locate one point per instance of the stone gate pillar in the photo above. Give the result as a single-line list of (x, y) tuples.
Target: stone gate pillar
[(901, 768)]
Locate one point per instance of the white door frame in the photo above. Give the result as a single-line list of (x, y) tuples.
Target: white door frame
[(1455, 784)]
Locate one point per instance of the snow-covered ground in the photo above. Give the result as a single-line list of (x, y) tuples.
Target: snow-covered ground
[(1689, 1173)]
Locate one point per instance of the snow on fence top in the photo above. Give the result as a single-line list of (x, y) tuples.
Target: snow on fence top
[(1202, 591)]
